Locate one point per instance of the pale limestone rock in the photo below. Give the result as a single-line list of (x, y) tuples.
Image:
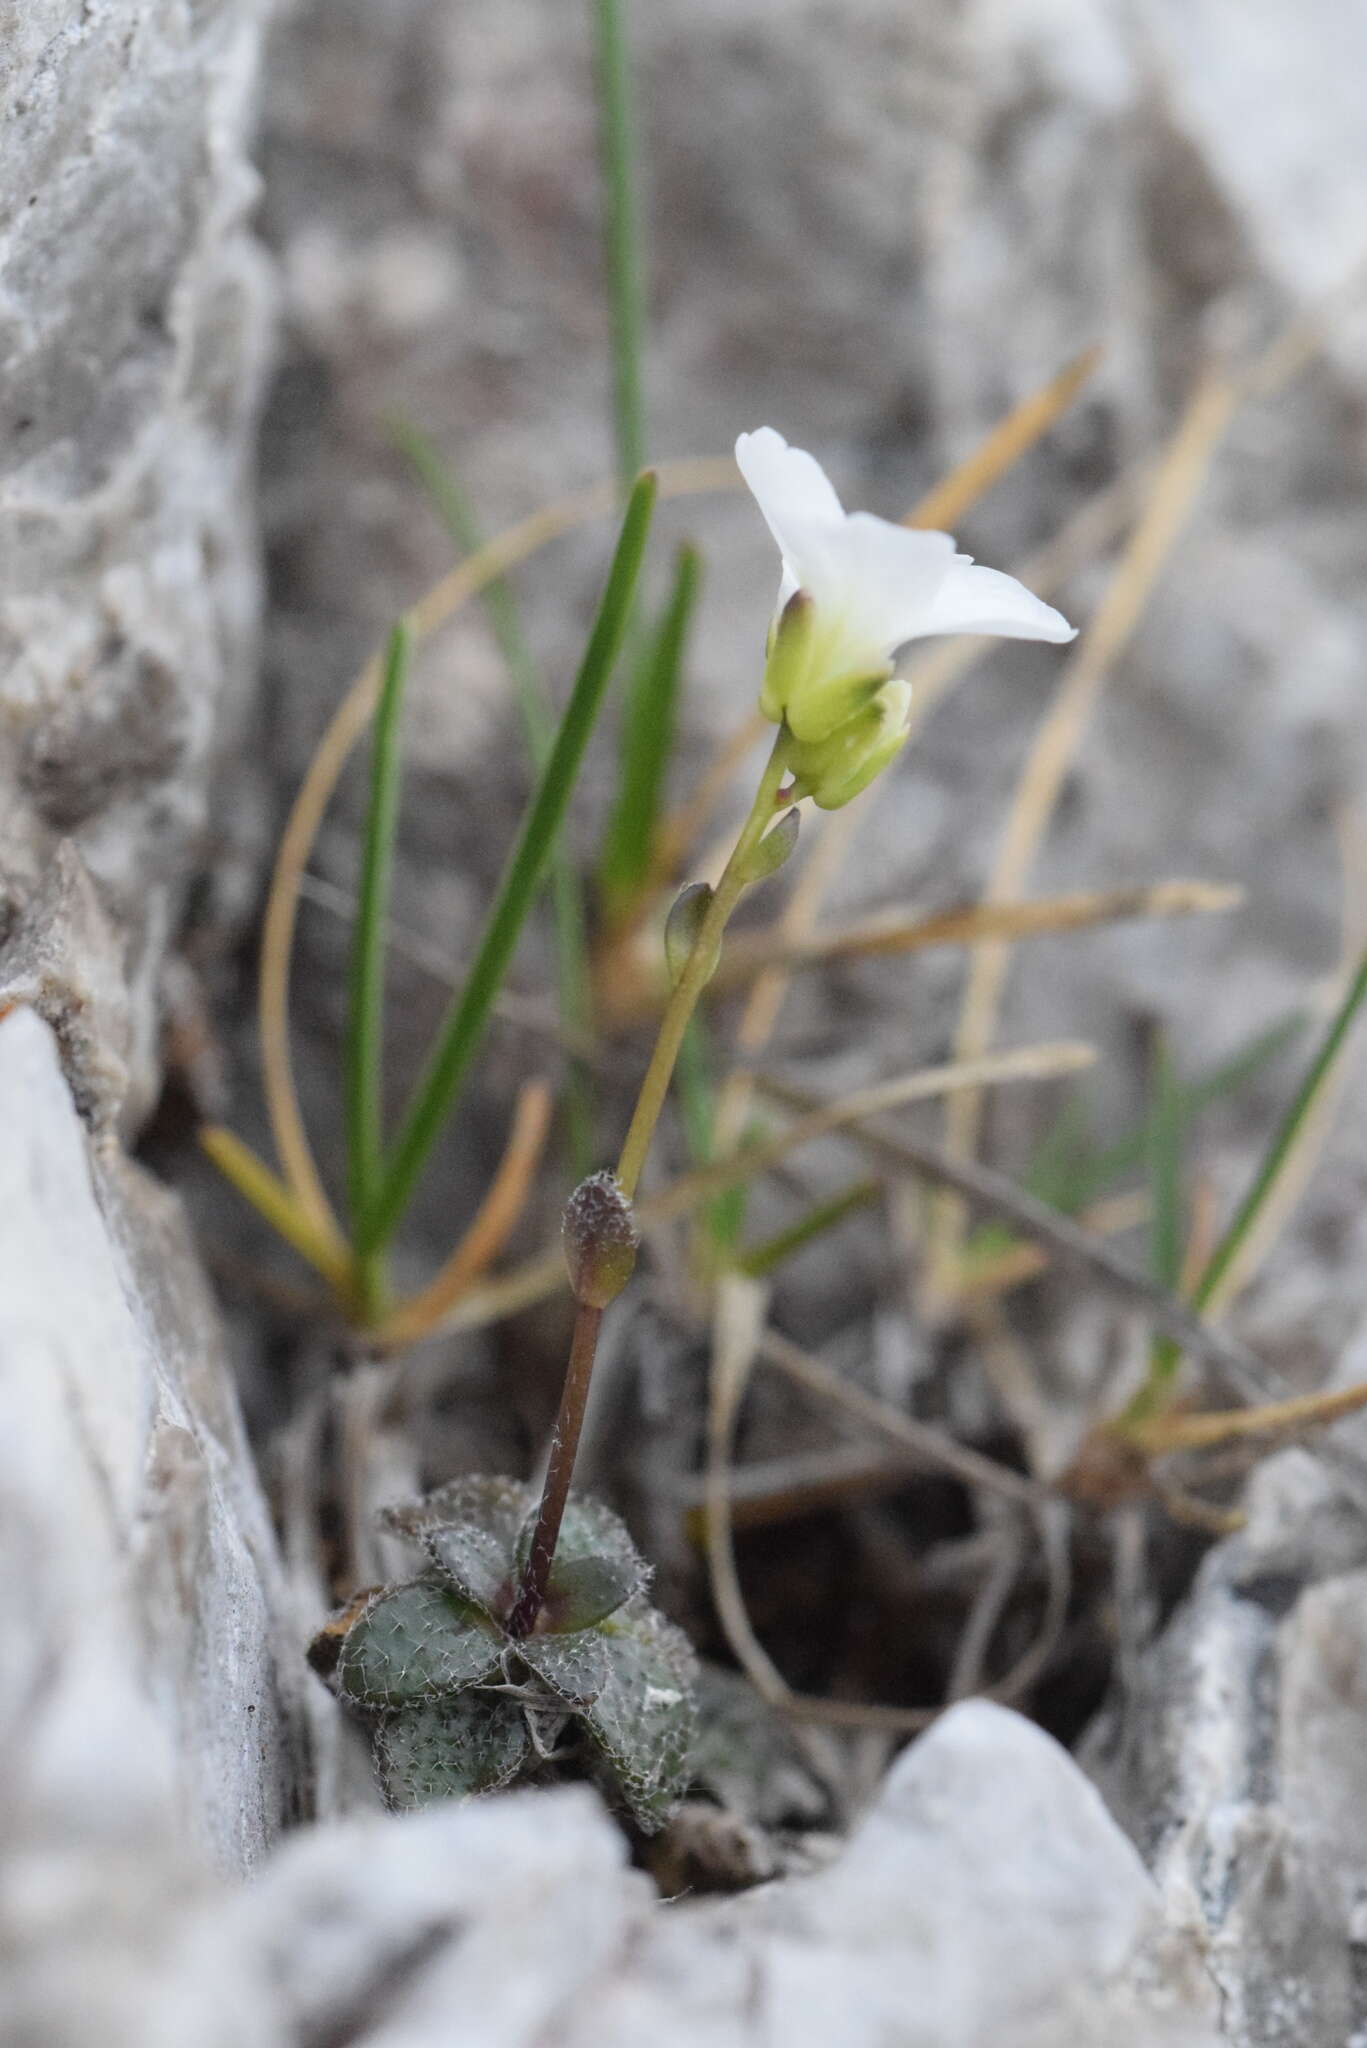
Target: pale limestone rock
[(132, 337), (1236, 1759), (149, 1687)]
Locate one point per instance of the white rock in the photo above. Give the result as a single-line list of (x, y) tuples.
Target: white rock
[(146, 1737)]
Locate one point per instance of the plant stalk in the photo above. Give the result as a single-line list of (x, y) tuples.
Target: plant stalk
[(574, 1395), (569, 1423), (684, 1000)]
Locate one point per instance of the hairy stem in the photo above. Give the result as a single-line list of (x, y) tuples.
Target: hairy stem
[(569, 1422)]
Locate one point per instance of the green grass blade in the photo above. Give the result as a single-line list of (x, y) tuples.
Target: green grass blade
[(567, 894), (463, 1028), (1268, 1174), (622, 238), (1167, 1355), (458, 516), (365, 1020), (763, 1259), (724, 1215), (648, 731), (1164, 1130)]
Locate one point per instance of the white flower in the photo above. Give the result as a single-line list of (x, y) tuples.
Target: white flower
[(868, 587)]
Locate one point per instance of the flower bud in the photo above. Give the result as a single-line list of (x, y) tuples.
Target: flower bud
[(834, 769), (600, 1240)]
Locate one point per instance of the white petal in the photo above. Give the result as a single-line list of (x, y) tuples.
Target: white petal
[(884, 580), (974, 600), (795, 495)]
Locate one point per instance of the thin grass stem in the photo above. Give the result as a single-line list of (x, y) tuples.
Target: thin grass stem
[(439, 1088), (365, 1017)]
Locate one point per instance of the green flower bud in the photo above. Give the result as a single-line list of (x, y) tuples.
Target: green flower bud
[(834, 769)]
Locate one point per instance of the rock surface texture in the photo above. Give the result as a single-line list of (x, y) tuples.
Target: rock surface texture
[(1236, 1758), (149, 1687), (132, 349), (988, 1900)]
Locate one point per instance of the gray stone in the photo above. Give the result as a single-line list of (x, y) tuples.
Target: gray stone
[(987, 1899), (150, 1675), (132, 336), (1235, 1756)]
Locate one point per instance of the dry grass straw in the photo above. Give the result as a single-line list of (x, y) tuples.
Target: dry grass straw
[(739, 1339), (494, 1222), (1168, 505), (1169, 495)]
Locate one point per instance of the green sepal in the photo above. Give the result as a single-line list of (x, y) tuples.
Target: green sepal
[(822, 708), (789, 657), (450, 1748), (835, 768), (416, 1642)]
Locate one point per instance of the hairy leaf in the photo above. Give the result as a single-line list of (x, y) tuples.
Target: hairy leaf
[(450, 1748), (415, 1642), (642, 1719), (576, 1667), (584, 1590)]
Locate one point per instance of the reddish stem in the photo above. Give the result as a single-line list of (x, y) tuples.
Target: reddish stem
[(531, 1594)]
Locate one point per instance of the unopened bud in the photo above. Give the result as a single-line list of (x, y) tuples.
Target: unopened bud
[(833, 770), (687, 915), (600, 1240)]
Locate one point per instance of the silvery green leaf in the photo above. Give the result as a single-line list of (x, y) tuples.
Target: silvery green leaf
[(576, 1667), (584, 1590), (468, 1528), (590, 1530), (413, 1642), (642, 1718), (450, 1748)]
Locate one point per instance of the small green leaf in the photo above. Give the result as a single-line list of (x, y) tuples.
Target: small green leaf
[(687, 914), (413, 1643), (583, 1590), (775, 847), (450, 1748), (469, 1528), (642, 1719), (576, 1667), (590, 1530)]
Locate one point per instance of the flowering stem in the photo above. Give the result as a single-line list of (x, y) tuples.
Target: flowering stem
[(698, 966), (598, 1226), (569, 1422)]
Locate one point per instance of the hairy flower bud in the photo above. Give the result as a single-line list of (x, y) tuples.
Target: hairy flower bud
[(600, 1240)]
